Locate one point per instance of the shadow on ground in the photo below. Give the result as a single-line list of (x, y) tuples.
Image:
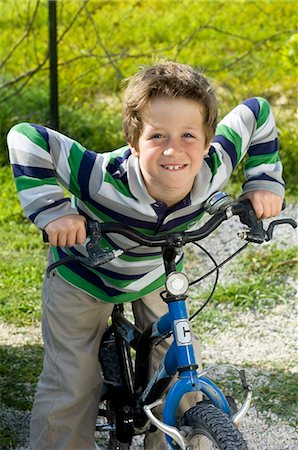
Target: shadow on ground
[(19, 371)]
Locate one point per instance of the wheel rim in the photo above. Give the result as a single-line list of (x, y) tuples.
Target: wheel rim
[(200, 438), (205, 441)]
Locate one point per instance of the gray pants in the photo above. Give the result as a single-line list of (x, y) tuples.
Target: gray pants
[(68, 392)]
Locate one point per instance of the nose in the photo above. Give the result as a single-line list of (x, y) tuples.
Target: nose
[(172, 147)]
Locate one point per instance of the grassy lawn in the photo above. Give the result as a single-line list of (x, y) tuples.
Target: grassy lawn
[(262, 282), (22, 261)]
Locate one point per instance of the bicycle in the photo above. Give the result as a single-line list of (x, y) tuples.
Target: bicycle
[(129, 393)]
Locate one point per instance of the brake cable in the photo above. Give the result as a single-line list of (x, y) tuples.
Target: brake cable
[(198, 280), (215, 269)]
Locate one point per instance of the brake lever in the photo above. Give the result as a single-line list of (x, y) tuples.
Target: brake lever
[(275, 223), (96, 256), (268, 234), (256, 232)]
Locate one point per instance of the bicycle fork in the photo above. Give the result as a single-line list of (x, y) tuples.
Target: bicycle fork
[(180, 357)]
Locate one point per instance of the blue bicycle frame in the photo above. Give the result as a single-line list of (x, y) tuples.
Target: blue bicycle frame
[(180, 357)]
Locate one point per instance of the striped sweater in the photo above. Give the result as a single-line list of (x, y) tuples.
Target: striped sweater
[(110, 187)]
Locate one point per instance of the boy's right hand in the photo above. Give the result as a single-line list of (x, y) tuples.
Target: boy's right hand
[(67, 231)]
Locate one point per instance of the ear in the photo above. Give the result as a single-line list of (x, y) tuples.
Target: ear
[(207, 148), (134, 151)]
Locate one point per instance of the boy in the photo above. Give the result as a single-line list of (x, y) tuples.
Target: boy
[(158, 182)]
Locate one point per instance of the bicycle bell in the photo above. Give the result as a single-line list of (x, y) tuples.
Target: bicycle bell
[(216, 201)]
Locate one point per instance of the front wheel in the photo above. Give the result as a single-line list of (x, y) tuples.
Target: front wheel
[(208, 428)]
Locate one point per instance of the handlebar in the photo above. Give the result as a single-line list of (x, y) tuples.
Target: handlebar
[(243, 208), (255, 233)]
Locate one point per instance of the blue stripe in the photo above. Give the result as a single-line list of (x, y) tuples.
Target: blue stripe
[(253, 105), (114, 167), (32, 172), (208, 158), (119, 276), (264, 148), (144, 224), (43, 132), (32, 217), (85, 170), (229, 147), (181, 220), (263, 176), (121, 218), (89, 276)]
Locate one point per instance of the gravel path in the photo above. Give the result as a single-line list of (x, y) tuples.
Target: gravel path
[(253, 340)]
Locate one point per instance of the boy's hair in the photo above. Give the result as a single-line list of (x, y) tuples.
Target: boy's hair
[(169, 80)]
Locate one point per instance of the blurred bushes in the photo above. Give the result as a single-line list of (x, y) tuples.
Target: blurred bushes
[(100, 45), (98, 127), (289, 156)]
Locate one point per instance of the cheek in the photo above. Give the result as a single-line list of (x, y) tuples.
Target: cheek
[(198, 157)]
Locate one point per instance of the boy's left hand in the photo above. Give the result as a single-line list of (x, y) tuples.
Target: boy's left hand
[(265, 203)]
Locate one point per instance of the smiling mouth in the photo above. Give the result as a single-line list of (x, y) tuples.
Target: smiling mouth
[(173, 167)]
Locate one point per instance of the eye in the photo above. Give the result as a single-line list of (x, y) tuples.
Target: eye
[(188, 136), (157, 136)]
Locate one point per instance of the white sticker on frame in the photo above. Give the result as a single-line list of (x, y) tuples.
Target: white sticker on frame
[(182, 332)]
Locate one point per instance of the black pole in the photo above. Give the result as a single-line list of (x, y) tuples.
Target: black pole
[(54, 114)]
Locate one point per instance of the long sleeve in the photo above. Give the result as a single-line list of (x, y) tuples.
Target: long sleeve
[(249, 130), (43, 161)]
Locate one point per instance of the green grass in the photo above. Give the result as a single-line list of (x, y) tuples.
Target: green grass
[(19, 372), (275, 389), (278, 393), (261, 275), (20, 367), (22, 259)]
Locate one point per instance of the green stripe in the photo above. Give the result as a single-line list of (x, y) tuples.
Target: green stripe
[(25, 182), (103, 217), (189, 224), (255, 161), (76, 154), (118, 185), (105, 245), (113, 280), (264, 111), (31, 133), (81, 283), (232, 136), (216, 163), (125, 257)]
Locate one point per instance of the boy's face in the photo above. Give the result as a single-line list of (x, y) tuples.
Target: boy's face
[(171, 147)]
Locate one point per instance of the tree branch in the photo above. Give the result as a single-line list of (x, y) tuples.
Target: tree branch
[(60, 38), (250, 51), (23, 75), (99, 40), (22, 38)]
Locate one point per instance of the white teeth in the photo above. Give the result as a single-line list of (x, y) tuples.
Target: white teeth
[(173, 167)]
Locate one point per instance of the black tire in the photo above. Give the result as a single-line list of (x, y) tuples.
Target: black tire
[(230, 400), (108, 358), (208, 421)]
